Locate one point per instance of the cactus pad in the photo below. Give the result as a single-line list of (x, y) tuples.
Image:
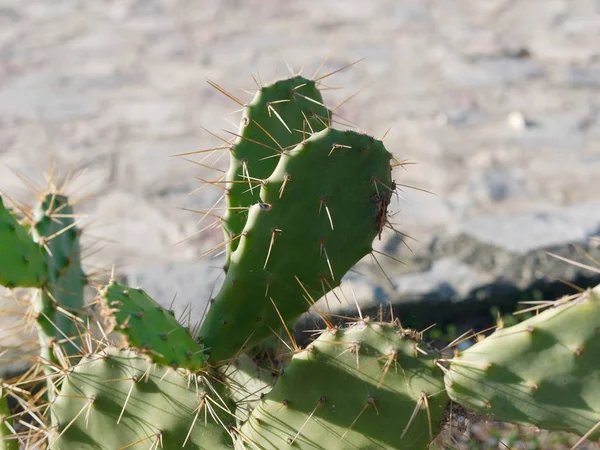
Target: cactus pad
[(150, 328), (8, 440), (542, 372), (54, 229), (277, 118), (363, 387), (21, 261), (319, 213), (116, 400)]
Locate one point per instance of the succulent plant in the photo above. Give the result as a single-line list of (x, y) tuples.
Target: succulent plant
[(301, 238), (542, 372), (305, 201)]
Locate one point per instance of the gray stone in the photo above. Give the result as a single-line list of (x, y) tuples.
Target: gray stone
[(495, 185), (448, 278), (584, 76), (525, 233)]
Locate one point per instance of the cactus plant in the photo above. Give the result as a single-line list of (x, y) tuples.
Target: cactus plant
[(541, 372), (151, 406), (150, 327), (305, 202), (53, 228), (7, 439), (21, 260), (277, 119), (296, 242), (366, 386)]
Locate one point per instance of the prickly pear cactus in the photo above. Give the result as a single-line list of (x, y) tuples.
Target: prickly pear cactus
[(280, 116), (8, 441), (150, 328), (367, 386), (318, 214), (542, 372), (54, 229), (117, 399), (21, 261)]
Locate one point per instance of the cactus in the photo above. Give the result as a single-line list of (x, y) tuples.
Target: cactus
[(49, 259), (151, 328), (7, 439), (366, 386), (541, 372), (302, 238), (117, 399), (277, 119), (21, 261), (54, 229), (305, 202)]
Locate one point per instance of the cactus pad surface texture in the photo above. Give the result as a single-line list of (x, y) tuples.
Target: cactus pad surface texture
[(150, 328), (277, 119), (543, 372), (364, 387), (21, 260), (116, 399)]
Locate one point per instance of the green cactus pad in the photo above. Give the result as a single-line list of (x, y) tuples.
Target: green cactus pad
[(542, 372), (151, 328), (21, 261), (274, 120), (319, 213), (363, 387), (54, 229), (115, 399), (8, 441)]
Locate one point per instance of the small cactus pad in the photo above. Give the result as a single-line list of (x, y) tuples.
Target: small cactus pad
[(54, 229), (150, 328), (117, 399), (364, 387), (278, 118), (22, 263), (319, 213), (8, 441), (542, 372)]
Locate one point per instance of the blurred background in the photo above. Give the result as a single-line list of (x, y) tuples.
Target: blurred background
[(497, 101)]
